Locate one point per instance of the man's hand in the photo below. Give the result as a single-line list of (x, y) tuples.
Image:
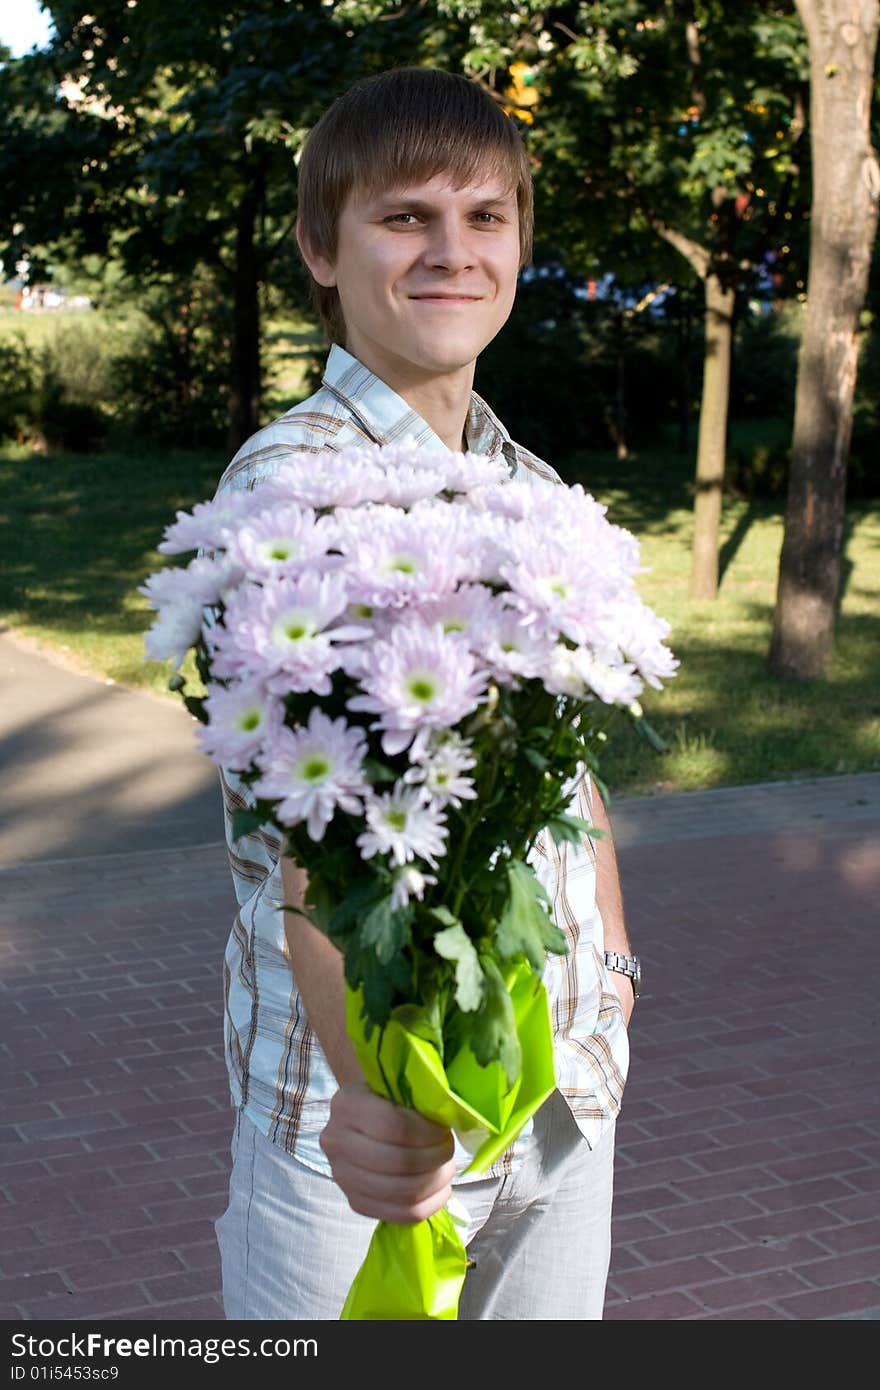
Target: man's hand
[(623, 985), (390, 1162)]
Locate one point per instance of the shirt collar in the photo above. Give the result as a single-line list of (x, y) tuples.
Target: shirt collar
[(387, 418)]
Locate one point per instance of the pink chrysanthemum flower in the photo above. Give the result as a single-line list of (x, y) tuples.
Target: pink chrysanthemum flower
[(639, 633), (283, 540), (242, 718), (439, 759), (581, 673), (411, 474), (466, 610), (210, 524), (547, 587), (204, 580), (409, 882), (404, 826), (177, 627), (418, 678), (309, 772), (510, 649), (327, 479), (509, 503), (280, 632), (394, 558), (466, 472)]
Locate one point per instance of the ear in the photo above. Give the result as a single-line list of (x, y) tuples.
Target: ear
[(320, 266)]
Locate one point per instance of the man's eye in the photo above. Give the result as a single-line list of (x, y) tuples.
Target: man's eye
[(400, 217)]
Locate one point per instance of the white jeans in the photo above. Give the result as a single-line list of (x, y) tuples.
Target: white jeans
[(290, 1245)]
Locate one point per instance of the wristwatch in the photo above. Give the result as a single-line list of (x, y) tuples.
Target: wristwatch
[(626, 965)]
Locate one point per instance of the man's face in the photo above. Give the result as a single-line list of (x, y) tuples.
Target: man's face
[(426, 274)]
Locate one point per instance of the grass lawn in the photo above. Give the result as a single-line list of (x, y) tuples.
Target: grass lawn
[(79, 532)]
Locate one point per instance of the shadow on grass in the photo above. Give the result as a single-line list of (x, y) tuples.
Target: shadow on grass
[(739, 724), (79, 532), (728, 550)]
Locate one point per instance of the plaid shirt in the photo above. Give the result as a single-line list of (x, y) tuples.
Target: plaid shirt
[(277, 1070)]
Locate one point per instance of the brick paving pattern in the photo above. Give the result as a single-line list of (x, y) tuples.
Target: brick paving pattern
[(748, 1147)]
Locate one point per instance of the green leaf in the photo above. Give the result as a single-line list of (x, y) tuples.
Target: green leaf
[(525, 924), (538, 760), (322, 901), (492, 1035), (244, 820), (442, 914), (196, 706), (423, 1021), (455, 944), (650, 734), (386, 931), (347, 913), (380, 983), (377, 772), (571, 828)]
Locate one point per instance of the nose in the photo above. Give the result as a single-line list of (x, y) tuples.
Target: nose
[(449, 245)]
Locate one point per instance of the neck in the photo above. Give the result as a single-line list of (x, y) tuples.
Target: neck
[(443, 401), (442, 404)]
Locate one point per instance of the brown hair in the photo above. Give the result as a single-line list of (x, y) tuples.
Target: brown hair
[(401, 127)]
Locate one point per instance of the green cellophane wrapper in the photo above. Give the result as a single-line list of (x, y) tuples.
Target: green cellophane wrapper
[(417, 1272)]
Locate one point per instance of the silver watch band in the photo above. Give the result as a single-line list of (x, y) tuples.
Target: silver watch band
[(626, 965)]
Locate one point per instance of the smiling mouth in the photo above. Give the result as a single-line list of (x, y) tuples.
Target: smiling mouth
[(448, 298)]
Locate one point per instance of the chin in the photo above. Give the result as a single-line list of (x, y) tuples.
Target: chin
[(447, 357)]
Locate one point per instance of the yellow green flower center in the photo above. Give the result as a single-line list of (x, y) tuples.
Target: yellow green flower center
[(293, 627), (280, 550), (422, 687), (404, 564), (314, 768)]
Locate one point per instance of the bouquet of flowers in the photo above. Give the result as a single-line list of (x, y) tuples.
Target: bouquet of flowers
[(411, 661)]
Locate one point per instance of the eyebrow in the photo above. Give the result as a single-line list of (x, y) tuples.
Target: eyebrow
[(406, 204)]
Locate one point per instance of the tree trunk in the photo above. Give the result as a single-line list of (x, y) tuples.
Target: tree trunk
[(684, 374), (622, 445), (843, 41), (712, 446), (244, 397)]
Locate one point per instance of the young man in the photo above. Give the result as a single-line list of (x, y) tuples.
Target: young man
[(415, 217)]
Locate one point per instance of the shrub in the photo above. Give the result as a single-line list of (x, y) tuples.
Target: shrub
[(19, 399)]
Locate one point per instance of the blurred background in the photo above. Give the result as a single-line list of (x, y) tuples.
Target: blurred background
[(696, 340)]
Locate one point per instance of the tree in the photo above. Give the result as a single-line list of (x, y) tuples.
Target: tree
[(842, 37), (175, 130), (665, 124)]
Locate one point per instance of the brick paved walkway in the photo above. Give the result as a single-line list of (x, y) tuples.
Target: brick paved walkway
[(748, 1147)]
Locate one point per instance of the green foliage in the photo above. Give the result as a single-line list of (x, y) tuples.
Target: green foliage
[(19, 404), (525, 925), (492, 1035), (765, 362), (55, 390), (569, 372), (386, 930), (165, 139), (760, 469), (171, 384), (454, 944)]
